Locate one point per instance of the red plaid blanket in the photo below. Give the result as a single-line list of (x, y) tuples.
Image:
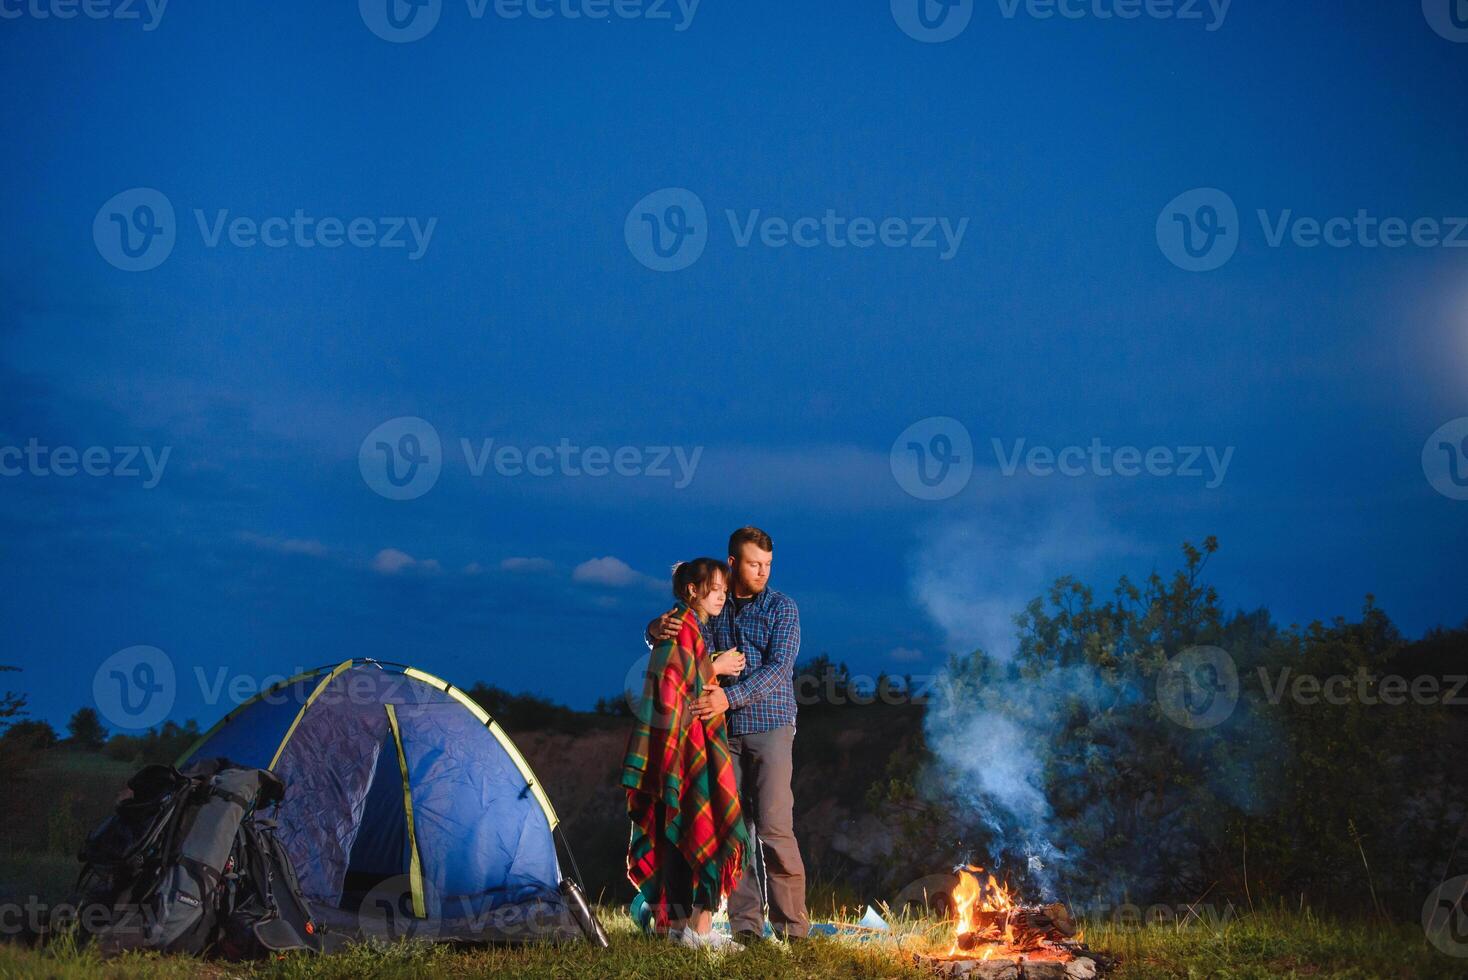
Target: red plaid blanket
[(679, 777)]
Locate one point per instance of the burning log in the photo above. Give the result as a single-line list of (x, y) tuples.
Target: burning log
[(1057, 917), (1022, 927), (996, 938)]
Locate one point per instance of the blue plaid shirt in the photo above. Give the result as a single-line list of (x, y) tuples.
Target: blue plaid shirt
[(767, 632)]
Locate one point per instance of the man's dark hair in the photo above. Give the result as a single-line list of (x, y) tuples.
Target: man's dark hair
[(749, 534)]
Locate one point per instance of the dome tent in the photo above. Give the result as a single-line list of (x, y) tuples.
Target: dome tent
[(408, 811)]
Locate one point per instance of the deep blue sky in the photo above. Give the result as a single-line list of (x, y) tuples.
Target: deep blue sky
[(528, 321)]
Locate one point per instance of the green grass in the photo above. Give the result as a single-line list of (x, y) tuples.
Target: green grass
[(1275, 944), (47, 817), (1266, 945)]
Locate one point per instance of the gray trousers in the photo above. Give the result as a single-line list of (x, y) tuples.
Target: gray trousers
[(763, 763)]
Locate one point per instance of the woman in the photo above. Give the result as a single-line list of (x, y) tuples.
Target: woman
[(688, 838)]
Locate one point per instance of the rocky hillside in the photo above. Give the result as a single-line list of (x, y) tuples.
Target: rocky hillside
[(840, 752)]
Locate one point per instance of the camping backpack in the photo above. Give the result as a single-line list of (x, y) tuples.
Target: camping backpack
[(190, 864)]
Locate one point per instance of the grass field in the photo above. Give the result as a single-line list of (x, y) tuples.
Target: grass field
[(1251, 947), (37, 858)]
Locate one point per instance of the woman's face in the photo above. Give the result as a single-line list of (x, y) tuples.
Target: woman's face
[(712, 601)]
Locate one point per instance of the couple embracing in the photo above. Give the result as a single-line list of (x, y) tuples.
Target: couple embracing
[(709, 762)]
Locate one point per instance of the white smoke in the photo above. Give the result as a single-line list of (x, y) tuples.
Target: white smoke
[(992, 754), (973, 577)]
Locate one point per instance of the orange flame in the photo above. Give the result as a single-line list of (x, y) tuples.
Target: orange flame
[(976, 901), (986, 913)]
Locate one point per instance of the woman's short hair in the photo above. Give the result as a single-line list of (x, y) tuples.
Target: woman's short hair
[(697, 574)]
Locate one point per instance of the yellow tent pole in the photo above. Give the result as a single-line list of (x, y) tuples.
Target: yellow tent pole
[(302, 713), (415, 865)]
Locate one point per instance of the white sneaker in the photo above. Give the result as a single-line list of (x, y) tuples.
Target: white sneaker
[(684, 937), (716, 941)]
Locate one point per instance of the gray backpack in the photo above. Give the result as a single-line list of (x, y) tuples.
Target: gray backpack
[(190, 864)]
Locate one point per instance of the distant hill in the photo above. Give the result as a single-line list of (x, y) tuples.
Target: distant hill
[(841, 749)]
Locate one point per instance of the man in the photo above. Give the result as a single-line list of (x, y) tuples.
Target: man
[(765, 626)]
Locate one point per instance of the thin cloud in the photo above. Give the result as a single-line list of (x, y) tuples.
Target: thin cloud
[(518, 564), (391, 561), (285, 546), (611, 572)]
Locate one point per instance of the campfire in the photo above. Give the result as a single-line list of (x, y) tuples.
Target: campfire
[(997, 938)]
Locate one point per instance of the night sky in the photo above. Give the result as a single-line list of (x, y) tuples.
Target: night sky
[(1015, 273)]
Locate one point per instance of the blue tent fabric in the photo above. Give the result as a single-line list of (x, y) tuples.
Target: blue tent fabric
[(251, 736), (483, 838), (479, 827), (330, 760)]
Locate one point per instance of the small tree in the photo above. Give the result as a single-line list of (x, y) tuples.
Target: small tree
[(17, 753), (30, 734), (615, 706), (162, 745), (86, 729), (12, 705)]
